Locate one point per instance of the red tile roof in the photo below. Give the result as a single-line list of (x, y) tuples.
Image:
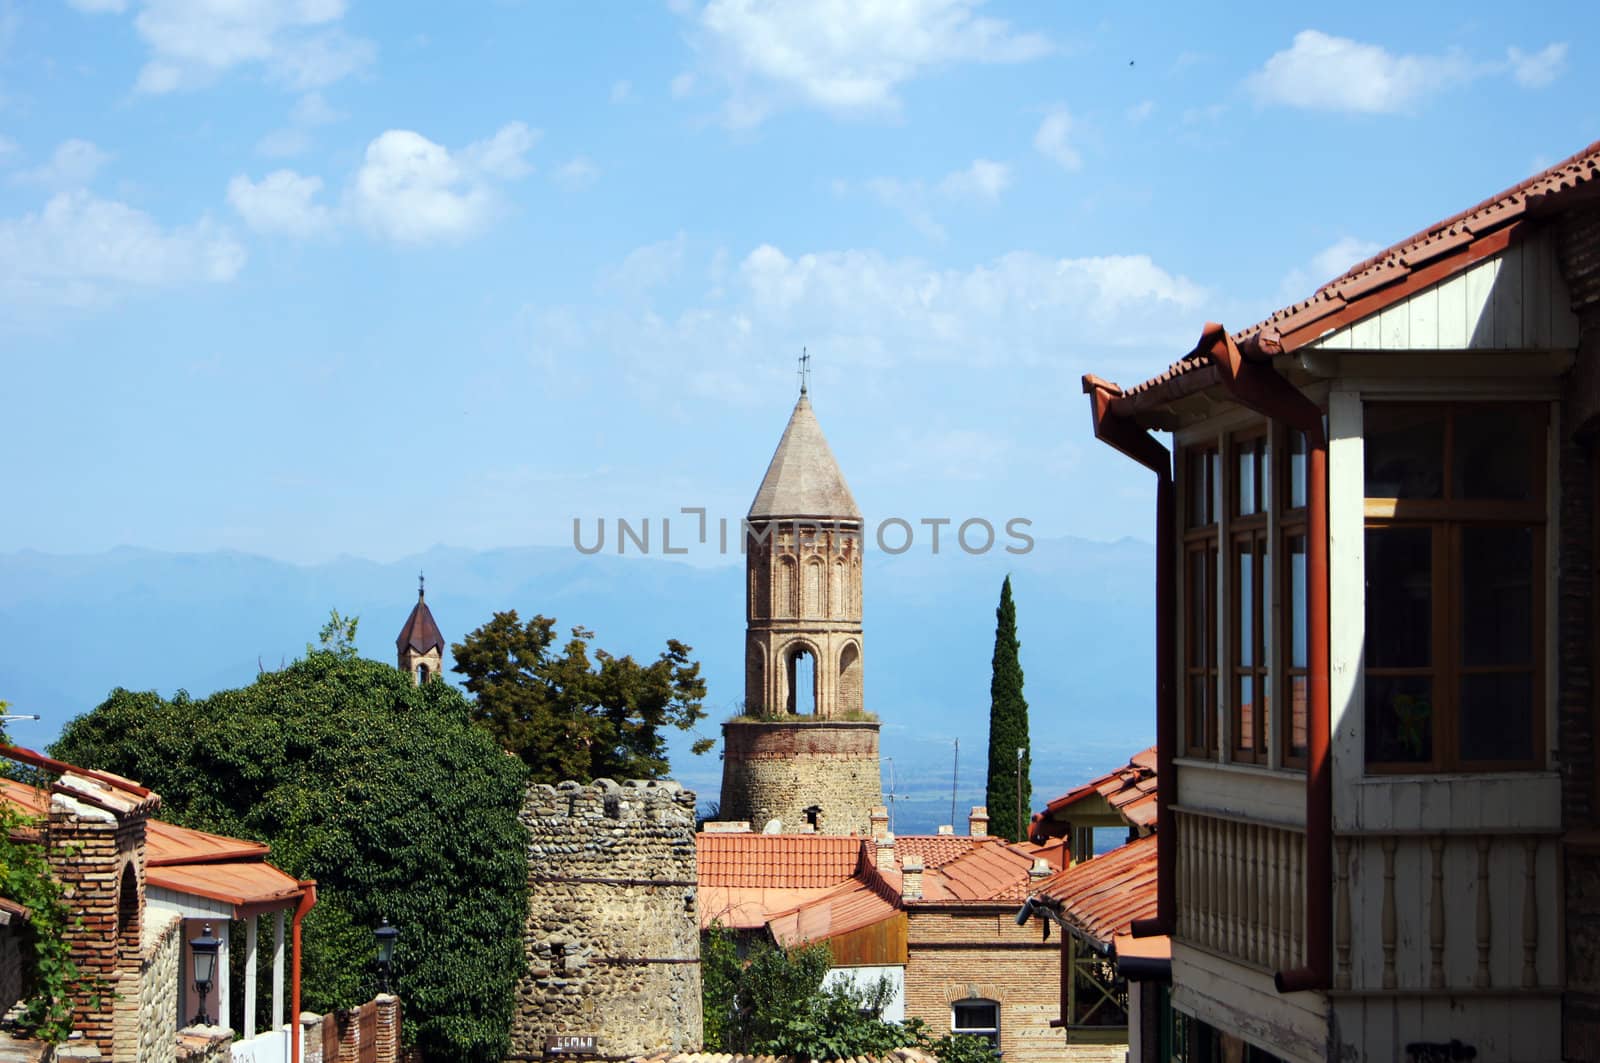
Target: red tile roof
[(1441, 250), (1130, 790), (746, 879), (241, 883), (1103, 896), (847, 907), (993, 872), (936, 850), (167, 844)]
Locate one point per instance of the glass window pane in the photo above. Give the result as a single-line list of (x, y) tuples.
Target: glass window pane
[(1399, 719), (1196, 488), (1196, 723), (1299, 715), (1245, 478), (1199, 627), (1492, 453), (1297, 601), (1399, 597), (1496, 595), (1297, 469), (1244, 608), (1404, 451), (1497, 716), (1214, 483), (1246, 738)]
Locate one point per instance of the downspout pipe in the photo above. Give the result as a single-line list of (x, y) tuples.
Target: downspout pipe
[(1252, 382), (1124, 435), (308, 897)]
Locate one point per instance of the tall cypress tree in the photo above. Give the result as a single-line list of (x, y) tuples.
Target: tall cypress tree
[(1008, 726)]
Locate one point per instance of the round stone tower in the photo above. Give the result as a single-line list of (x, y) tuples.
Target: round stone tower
[(805, 751)]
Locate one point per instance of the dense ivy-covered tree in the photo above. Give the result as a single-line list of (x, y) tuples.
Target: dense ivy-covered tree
[(570, 717), (382, 791), (1008, 727)]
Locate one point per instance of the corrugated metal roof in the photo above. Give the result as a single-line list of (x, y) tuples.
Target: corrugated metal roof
[(1102, 897), (1438, 251), (168, 843), (240, 883)]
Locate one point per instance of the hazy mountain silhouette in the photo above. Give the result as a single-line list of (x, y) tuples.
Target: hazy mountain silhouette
[(76, 626)]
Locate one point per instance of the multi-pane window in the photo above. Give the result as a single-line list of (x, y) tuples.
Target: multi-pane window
[(1291, 487), (1203, 505), (1249, 696), (976, 1018), (1454, 550)]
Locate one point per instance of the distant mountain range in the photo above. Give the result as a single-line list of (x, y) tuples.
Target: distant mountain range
[(74, 627)]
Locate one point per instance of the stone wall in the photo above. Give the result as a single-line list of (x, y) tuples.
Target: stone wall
[(778, 770), (203, 1044), (612, 941), (158, 988)]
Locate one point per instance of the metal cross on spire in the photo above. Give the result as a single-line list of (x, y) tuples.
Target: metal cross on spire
[(422, 584), (804, 370)]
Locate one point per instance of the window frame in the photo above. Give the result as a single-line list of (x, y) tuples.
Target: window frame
[(1201, 538), (990, 1032), (1445, 517), (1293, 523), (1249, 540)]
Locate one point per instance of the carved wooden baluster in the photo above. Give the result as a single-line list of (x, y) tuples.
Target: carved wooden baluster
[(1241, 870), (1530, 913), (1341, 976), (1253, 907), (1275, 906), (1483, 980), (1297, 899), (1436, 914), (1389, 843)]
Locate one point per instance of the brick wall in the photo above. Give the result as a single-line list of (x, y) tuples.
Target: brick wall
[(369, 1033), (778, 770), (982, 953), (612, 940)]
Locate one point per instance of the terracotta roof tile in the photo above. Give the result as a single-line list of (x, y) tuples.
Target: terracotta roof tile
[(936, 850), (1103, 896), (1130, 790), (849, 906), (1441, 249), (746, 879), (992, 871)]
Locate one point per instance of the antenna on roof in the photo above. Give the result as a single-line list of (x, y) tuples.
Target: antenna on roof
[(805, 370)]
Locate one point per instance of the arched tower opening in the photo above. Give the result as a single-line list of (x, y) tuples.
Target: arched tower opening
[(128, 929), (803, 687)]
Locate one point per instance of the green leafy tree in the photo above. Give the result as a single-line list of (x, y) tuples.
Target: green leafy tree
[(382, 791), (1008, 727), (572, 716)]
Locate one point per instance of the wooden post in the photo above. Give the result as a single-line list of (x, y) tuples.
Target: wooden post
[(277, 969), (251, 931)]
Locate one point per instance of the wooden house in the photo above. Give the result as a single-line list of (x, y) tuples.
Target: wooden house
[(1376, 704)]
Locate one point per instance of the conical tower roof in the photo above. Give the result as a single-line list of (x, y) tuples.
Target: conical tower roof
[(803, 479), (420, 634)]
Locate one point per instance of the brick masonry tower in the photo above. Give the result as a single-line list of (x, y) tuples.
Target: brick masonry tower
[(420, 646), (804, 752)]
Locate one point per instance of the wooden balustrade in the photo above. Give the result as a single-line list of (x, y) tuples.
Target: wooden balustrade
[(1241, 888)]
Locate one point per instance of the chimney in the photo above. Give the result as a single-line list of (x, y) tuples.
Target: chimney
[(945, 828), (883, 854), (1041, 869), (879, 818), (978, 822), (911, 878)]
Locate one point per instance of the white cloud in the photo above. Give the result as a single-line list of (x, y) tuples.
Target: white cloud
[(578, 172), (877, 313), (310, 110), (984, 179), (650, 266), (1322, 72), (1053, 140), (284, 143), (408, 189), (282, 202), (80, 250), (1141, 110), (681, 86), (621, 90), (297, 43), (1332, 261), (1539, 69), (72, 165), (845, 56)]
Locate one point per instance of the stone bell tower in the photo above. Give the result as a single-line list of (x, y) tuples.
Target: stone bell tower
[(419, 645), (805, 751)]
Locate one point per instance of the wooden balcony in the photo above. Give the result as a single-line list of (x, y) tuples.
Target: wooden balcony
[(1241, 888)]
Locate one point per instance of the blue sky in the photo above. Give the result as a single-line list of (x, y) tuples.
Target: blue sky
[(317, 277)]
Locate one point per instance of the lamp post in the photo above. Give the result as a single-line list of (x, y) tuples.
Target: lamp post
[(205, 949), (385, 936)]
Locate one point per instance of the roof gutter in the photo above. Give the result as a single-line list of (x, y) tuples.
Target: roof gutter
[(1122, 433), (1252, 382), (297, 1032)]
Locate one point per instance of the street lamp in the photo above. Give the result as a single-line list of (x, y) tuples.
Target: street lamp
[(205, 949), (385, 936)]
